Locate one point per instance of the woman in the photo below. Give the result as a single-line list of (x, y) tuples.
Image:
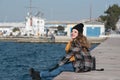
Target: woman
[(77, 58)]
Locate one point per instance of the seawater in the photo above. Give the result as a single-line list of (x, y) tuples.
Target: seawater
[(17, 58)]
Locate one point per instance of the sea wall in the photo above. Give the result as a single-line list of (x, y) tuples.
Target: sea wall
[(58, 39)]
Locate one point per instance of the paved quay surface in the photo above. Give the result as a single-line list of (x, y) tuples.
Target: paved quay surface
[(107, 56)]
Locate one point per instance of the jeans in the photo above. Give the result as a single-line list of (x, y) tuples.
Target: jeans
[(51, 74)]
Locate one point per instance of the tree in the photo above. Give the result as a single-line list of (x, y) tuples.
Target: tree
[(16, 29), (60, 28), (111, 17)]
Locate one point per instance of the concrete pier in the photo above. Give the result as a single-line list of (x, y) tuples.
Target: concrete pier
[(107, 56)]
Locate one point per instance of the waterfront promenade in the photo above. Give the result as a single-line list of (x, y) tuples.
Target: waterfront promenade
[(107, 56)]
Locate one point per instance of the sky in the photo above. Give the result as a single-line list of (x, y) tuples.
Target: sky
[(53, 10)]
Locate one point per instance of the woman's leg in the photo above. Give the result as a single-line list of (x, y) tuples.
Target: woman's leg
[(57, 71)]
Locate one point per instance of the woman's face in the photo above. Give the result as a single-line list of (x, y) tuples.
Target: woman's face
[(74, 33)]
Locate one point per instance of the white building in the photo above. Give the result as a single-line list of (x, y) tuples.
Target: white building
[(34, 26), (91, 29), (94, 29), (5, 30)]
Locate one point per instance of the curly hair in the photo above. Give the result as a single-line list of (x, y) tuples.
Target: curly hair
[(83, 42)]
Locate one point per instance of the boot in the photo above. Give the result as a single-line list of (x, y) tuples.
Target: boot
[(34, 74)]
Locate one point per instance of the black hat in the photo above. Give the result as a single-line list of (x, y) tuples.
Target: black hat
[(79, 27)]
